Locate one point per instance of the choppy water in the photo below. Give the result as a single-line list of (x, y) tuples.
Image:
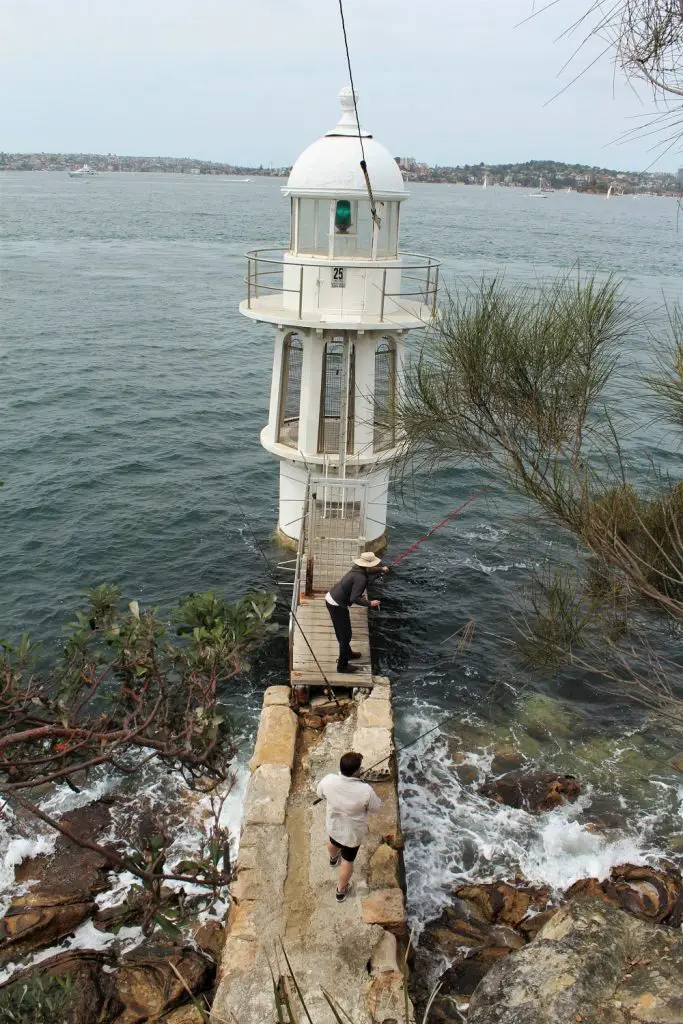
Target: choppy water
[(132, 398)]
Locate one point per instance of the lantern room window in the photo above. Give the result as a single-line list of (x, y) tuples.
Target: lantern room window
[(355, 240), (387, 233), (313, 227)]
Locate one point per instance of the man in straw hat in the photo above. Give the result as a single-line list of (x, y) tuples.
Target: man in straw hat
[(351, 590)]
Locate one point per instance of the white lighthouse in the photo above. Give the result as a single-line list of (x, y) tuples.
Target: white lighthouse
[(342, 297)]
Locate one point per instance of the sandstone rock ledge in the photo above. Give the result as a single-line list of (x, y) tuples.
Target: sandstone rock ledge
[(284, 892), (591, 963)]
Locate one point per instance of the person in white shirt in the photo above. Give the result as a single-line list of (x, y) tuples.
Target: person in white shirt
[(349, 801)]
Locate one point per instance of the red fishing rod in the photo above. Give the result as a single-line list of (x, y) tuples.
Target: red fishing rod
[(446, 519)]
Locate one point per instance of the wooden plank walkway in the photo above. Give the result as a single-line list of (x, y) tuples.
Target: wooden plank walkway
[(315, 623)]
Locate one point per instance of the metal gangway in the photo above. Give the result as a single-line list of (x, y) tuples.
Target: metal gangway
[(332, 534)]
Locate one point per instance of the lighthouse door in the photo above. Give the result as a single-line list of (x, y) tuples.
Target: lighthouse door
[(335, 528)]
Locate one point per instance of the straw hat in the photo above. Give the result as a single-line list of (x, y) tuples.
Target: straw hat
[(367, 560)]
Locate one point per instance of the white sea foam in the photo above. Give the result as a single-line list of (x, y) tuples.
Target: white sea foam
[(248, 540), (159, 790), (454, 835), (233, 808), (485, 532), (86, 936), (476, 563), (63, 800), (120, 884), (562, 851), (19, 850), (15, 848)]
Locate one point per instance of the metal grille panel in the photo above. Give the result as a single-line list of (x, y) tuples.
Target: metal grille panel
[(335, 531), (331, 398), (385, 396), (290, 391)]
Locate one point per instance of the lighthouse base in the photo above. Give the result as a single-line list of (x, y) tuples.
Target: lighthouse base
[(345, 510), (376, 546)]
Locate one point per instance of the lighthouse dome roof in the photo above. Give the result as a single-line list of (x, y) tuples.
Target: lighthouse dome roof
[(331, 166)]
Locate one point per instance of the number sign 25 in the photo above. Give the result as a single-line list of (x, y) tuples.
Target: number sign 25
[(338, 277)]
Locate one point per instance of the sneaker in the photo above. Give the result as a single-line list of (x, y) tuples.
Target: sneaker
[(354, 655), (333, 863), (341, 896)]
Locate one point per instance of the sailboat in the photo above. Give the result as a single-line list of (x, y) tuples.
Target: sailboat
[(540, 194), (486, 179)]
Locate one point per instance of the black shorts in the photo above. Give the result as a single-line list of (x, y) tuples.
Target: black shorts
[(348, 852)]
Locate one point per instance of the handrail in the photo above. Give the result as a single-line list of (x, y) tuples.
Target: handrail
[(427, 285), (311, 260), (297, 571)]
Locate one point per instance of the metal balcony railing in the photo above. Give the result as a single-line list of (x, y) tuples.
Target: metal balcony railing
[(419, 277)]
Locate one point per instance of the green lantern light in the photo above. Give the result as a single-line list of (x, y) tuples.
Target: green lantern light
[(342, 216)]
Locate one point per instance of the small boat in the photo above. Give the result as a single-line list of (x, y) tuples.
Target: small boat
[(83, 172), (486, 181), (540, 194), (239, 181)]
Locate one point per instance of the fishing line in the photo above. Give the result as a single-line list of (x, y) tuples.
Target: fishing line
[(446, 519), (406, 746), (363, 164), (399, 750)]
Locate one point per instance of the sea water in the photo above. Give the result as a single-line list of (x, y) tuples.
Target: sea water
[(132, 398)]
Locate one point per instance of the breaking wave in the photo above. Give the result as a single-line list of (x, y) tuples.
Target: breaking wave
[(455, 836)]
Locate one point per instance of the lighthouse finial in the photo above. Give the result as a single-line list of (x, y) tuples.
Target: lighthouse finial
[(346, 100), (347, 124)]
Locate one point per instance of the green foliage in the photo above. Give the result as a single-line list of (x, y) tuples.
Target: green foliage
[(556, 620), (124, 683), (667, 383), (37, 999), (649, 527), (220, 632), (513, 377), (518, 381)]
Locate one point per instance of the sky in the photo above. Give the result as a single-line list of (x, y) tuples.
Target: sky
[(255, 81)]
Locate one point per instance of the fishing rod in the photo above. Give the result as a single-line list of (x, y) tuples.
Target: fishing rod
[(399, 750), (406, 746), (330, 689)]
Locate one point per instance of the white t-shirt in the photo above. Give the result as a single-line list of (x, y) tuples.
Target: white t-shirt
[(349, 801)]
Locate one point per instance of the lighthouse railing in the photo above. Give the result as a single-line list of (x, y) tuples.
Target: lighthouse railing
[(419, 278)]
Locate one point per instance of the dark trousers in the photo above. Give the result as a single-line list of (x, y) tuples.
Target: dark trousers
[(341, 620)]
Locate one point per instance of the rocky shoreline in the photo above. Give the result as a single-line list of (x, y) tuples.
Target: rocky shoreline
[(485, 924), (602, 951), (108, 980), (637, 911)]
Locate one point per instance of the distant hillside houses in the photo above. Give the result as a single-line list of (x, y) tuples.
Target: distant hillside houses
[(551, 173), (140, 164)]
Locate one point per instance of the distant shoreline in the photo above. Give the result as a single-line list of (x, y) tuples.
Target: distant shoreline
[(549, 175), (601, 193)]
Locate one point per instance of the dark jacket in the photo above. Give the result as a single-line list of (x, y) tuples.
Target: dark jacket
[(351, 588)]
